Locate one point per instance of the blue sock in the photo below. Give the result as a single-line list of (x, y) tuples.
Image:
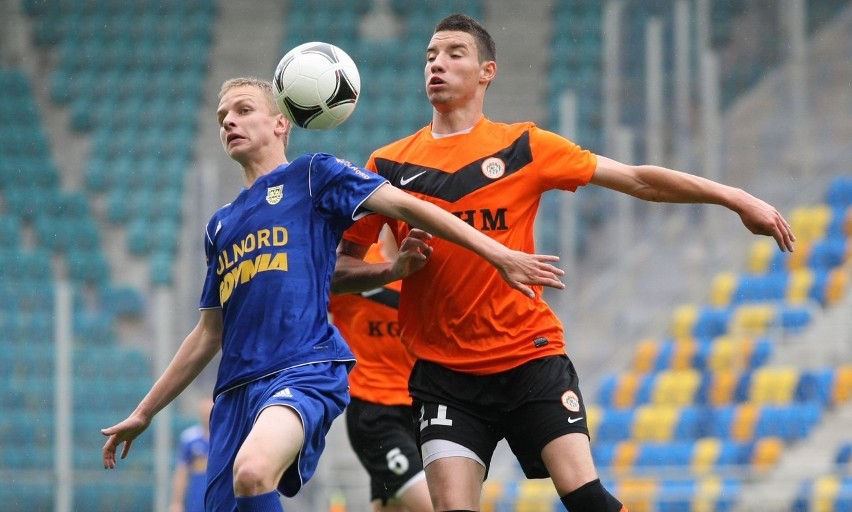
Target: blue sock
[(269, 502)]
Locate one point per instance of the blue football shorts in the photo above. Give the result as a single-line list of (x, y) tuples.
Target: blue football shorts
[(318, 392)]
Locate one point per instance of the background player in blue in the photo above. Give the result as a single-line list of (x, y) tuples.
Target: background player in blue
[(189, 480), (271, 253)]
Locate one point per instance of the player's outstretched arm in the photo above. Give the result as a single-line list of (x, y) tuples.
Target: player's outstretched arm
[(520, 270), (654, 183), (194, 354)]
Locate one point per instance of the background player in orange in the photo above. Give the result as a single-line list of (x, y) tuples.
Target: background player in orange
[(490, 364), (378, 418)]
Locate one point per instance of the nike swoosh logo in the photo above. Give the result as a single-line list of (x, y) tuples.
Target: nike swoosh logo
[(405, 181), (574, 420)]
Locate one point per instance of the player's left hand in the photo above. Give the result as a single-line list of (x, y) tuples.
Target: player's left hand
[(762, 218), (523, 270), (125, 432), (413, 253)]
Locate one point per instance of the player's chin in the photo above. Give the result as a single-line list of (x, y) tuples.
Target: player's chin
[(235, 150)]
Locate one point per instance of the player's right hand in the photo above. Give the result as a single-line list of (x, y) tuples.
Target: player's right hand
[(124, 432)]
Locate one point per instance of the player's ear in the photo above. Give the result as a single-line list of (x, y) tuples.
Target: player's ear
[(283, 127), (487, 71), (282, 124)]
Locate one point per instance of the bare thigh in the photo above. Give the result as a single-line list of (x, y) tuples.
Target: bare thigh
[(270, 448), (455, 483), (569, 461)]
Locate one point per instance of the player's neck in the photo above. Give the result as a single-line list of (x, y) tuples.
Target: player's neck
[(255, 169), (454, 121)]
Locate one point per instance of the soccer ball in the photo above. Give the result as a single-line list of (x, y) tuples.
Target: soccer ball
[(316, 85)]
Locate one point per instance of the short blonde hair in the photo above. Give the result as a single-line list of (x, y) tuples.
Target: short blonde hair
[(265, 87)]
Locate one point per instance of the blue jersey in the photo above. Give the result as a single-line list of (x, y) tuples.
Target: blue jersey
[(270, 258), (193, 450)]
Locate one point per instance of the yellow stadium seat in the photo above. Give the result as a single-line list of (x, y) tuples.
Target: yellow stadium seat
[(745, 420), (838, 282), (810, 223), (535, 496), (723, 387), (801, 281), (767, 452), (752, 319), (638, 494), (842, 389), (654, 422), (626, 453), (773, 384), (683, 354), (730, 353), (625, 390), (706, 495), (722, 288), (675, 387), (683, 321), (492, 491), (705, 454), (760, 256), (645, 355), (825, 492), (799, 258), (594, 417), (722, 354)]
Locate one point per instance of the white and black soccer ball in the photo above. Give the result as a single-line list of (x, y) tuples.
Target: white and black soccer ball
[(316, 85)]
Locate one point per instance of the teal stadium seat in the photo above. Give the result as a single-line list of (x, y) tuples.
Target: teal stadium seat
[(19, 495)]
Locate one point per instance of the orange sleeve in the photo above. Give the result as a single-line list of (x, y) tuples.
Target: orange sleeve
[(563, 164)]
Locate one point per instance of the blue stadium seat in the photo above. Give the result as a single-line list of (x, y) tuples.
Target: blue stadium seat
[(839, 192), (616, 425)]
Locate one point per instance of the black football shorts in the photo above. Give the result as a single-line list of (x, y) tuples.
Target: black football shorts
[(382, 437), (529, 406)]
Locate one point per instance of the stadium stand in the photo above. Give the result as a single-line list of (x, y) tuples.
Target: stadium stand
[(129, 78), (51, 232), (709, 400)]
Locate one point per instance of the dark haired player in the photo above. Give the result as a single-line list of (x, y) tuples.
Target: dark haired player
[(492, 364)]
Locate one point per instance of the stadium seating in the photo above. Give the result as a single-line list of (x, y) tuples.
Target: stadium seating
[(129, 80), (830, 492), (707, 400), (43, 224), (699, 406)]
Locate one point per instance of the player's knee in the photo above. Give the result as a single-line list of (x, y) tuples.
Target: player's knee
[(592, 497), (252, 478)]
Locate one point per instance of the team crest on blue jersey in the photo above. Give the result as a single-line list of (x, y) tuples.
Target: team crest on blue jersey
[(274, 194)]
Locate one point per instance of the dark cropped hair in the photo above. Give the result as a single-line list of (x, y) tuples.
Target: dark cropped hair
[(463, 23)]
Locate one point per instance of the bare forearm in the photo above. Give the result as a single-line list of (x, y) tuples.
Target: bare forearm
[(194, 354), (353, 275), (659, 184), (670, 186)]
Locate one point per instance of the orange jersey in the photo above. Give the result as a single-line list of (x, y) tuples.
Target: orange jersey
[(368, 322), (457, 311)]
